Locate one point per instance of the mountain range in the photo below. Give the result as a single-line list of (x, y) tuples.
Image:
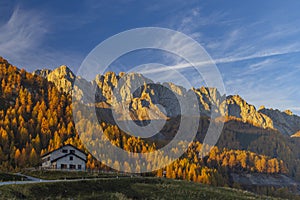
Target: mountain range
[(36, 117), (145, 102)]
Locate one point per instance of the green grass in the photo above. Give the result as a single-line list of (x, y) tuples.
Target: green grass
[(54, 175), (10, 177), (122, 188)]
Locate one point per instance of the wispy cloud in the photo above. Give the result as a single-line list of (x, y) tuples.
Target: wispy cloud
[(22, 40), (235, 45), (262, 64), (22, 32), (249, 55), (261, 54), (231, 59)]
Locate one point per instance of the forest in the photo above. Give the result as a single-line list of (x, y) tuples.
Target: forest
[(36, 117)]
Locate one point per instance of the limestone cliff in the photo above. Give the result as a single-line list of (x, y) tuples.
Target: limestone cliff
[(285, 122), (160, 101), (240, 109), (62, 77)]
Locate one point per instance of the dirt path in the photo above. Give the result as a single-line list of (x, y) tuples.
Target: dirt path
[(31, 179)]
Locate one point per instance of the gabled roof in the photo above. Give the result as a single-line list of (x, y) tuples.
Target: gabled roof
[(65, 155), (61, 148)]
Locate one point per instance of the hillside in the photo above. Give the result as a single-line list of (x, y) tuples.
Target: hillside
[(125, 188), (36, 117)]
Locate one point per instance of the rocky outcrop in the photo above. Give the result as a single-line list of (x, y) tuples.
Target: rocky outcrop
[(42, 72), (240, 109), (296, 135), (62, 77), (285, 122), (210, 101), (156, 101), (160, 101)]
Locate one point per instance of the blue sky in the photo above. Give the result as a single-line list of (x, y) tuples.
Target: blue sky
[(255, 44)]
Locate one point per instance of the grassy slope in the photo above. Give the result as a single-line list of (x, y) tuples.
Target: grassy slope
[(123, 188), (10, 177), (54, 175)]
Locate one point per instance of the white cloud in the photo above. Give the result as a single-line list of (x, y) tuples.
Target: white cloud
[(22, 32), (232, 59), (23, 38), (262, 64), (238, 43), (275, 51)]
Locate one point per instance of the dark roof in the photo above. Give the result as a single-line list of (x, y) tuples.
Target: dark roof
[(68, 155), (62, 147)]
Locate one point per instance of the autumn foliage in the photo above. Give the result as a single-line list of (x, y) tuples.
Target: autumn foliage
[(36, 117)]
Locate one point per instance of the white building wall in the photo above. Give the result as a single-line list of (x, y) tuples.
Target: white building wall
[(58, 153), (46, 162), (66, 161)]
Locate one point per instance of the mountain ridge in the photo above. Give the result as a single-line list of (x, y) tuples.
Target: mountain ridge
[(145, 100), (38, 117)]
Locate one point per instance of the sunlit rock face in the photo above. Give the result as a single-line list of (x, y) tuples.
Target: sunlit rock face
[(285, 122), (62, 77), (297, 134), (240, 109), (145, 100)]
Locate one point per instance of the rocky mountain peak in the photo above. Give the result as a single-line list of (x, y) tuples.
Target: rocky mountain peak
[(175, 88), (297, 134), (63, 72), (210, 100), (261, 107), (62, 77), (240, 109), (285, 122), (147, 100), (288, 112)]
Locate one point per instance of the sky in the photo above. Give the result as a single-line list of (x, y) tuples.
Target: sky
[(255, 44)]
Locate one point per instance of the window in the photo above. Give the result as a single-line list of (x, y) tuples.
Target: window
[(72, 151), (72, 166), (63, 166), (71, 157), (79, 166), (65, 150)]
